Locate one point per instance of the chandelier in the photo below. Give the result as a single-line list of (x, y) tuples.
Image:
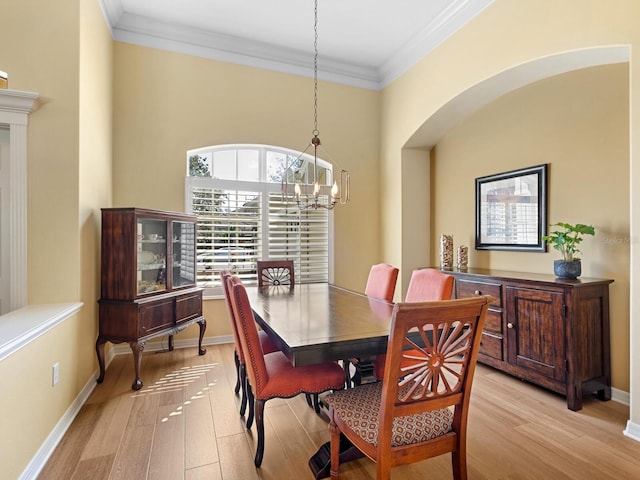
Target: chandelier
[(325, 191)]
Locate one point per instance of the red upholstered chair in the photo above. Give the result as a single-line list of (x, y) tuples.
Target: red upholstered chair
[(280, 273), (267, 345), (429, 285), (420, 411), (272, 375), (426, 285), (382, 282)]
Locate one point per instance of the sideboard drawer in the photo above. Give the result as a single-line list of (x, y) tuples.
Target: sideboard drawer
[(493, 322), (467, 288), (491, 345)]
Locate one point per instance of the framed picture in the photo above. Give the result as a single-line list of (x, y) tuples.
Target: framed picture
[(511, 210)]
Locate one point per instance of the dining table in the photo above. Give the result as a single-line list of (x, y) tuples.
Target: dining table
[(316, 322)]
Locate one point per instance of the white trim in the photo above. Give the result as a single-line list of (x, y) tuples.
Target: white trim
[(158, 346), (621, 396), (140, 30), (15, 107), (632, 431), (22, 326), (41, 457)]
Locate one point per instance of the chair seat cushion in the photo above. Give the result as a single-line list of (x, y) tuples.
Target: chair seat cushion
[(359, 409), (284, 380)]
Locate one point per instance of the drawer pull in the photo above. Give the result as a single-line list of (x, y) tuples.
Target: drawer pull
[(477, 292), (509, 325)]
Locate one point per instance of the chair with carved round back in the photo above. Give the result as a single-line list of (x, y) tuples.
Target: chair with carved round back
[(276, 273), (420, 411), (426, 285)]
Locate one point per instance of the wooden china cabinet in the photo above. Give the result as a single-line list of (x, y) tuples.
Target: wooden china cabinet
[(148, 280), (549, 331)]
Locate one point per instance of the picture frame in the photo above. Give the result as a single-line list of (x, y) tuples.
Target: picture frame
[(511, 210)]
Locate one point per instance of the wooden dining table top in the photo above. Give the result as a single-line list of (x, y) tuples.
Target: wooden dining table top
[(319, 321)]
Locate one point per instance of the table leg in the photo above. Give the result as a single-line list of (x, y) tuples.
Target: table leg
[(320, 462)]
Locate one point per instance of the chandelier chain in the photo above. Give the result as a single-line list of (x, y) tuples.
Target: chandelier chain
[(315, 71)]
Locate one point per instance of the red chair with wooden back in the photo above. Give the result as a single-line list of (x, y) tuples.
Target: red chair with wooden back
[(267, 345), (280, 273), (276, 273), (272, 375), (426, 285), (420, 411)]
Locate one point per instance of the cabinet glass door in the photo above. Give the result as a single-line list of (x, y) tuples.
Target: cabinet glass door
[(151, 255), (184, 254)]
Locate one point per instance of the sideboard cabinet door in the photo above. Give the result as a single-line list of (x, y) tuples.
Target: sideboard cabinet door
[(535, 331)]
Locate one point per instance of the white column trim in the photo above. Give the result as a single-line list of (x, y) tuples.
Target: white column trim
[(15, 107)]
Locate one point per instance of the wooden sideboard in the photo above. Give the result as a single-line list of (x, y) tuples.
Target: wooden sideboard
[(549, 331)]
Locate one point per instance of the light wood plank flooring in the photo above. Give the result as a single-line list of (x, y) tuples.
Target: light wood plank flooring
[(184, 424)]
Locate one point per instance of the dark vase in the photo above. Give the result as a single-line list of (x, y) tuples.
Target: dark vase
[(567, 269)]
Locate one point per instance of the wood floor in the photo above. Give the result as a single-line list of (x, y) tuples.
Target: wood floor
[(184, 424)]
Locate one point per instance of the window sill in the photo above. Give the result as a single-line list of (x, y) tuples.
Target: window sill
[(22, 326)]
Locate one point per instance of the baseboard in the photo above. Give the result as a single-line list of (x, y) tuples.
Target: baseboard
[(123, 348), (632, 431), (621, 396), (38, 462), (41, 457)]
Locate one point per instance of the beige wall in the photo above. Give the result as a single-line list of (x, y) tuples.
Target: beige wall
[(495, 46), (578, 123), (167, 103), (61, 50)]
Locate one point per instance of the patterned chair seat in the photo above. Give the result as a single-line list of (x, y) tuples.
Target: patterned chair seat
[(359, 407)]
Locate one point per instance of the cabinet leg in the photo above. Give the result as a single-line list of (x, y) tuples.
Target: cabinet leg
[(100, 352), (137, 348), (605, 393), (574, 398), (171, 343), (203, 326)]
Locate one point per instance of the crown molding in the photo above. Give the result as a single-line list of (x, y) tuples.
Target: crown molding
[(139, 30), (433, 34)]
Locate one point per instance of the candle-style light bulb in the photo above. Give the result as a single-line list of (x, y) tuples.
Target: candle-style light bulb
[(316, 189), (335, 190), (297, 191)]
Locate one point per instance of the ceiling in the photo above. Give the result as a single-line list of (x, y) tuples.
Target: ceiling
[(364, 43)]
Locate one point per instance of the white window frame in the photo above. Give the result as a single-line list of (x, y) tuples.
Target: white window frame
[(262, 186)]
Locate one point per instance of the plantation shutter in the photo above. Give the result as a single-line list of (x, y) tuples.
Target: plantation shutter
[(302, 236)]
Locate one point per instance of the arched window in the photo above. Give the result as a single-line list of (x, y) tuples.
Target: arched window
[(245, 215)]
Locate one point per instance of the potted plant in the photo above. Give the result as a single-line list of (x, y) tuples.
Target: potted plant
[(565, 238)]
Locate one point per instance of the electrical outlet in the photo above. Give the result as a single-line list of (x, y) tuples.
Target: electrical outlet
[(55, 374)]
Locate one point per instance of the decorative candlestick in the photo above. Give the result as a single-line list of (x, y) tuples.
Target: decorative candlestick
[(463, 257), (446, 252)]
